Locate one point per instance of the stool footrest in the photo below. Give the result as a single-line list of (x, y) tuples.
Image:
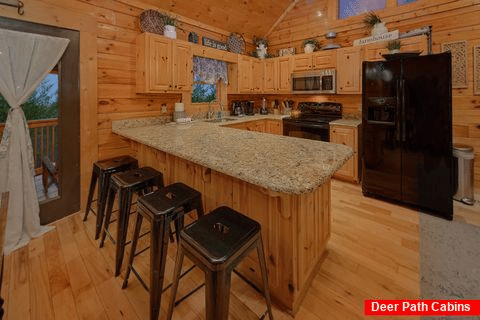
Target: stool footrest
[(189, 294)]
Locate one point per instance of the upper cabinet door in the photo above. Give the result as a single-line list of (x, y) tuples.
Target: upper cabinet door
[(302, 62), (244, 74), (349, 63), (163, 64), (257, 75), (182, 70), (284, 74), (160, 64), (269, 72), (324, 59)]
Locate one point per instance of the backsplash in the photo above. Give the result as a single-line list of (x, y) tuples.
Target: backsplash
[(352, 104)]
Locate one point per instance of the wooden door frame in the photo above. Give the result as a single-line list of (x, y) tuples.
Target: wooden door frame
[(68, 163), (79, 17)]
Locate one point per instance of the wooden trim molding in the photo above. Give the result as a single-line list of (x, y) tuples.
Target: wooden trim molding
[(476, 70), (78, 18)]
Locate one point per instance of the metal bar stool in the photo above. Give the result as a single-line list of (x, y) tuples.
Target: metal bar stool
[(217, 243), (102, 170), (125, 184), (160, 208)]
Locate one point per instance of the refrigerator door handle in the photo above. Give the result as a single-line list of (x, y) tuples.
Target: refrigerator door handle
[(403, 120)]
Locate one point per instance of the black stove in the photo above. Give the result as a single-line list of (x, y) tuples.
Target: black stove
[(312, 123)]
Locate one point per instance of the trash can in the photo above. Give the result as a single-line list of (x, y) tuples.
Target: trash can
[(463, 167)]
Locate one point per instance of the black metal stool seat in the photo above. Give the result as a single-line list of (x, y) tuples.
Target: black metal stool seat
[(102, 170), (217, 243), (125, 184), (160, 208)]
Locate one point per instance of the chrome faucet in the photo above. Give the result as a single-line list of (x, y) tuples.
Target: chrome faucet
[(210, 112)]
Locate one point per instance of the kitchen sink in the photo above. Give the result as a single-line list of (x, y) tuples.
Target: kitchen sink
[(220, 120)]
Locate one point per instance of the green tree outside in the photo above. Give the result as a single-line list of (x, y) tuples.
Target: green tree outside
[(40, 105)]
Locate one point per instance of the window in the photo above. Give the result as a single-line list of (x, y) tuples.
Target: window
[(400, 2), (206, 75), (42, 104), (203, 92), (349, 8)]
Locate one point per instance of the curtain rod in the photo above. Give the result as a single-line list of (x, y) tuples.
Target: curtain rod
[(14, 3)]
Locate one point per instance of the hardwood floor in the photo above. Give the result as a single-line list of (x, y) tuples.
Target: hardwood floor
[(373, 253)]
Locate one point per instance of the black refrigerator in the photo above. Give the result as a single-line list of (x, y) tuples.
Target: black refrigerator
[(407, 131)]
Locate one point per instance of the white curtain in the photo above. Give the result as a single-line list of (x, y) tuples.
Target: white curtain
[(25, 59)]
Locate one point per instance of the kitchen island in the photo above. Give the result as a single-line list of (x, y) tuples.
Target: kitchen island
[(282, 182)]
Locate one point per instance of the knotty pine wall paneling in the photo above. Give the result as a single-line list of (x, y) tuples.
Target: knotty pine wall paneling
[(450, 21), (108, 29)]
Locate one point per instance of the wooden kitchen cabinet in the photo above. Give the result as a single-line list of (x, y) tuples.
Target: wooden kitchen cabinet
[(274, 126), (257, 126), (348, 136), (284, 70), (276, 75), (257, 76), (315, 61), (250, 75), (267, 125), (349, 70), (163, 64), (182, 66), (269, 76)]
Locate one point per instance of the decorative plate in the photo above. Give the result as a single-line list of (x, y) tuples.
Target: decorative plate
[(151, 21), (401, 55), (236, 43)]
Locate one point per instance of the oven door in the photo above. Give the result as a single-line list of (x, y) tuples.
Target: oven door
[(304, 130)]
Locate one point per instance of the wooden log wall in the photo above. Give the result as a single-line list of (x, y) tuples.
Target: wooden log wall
[(108, 29), (450, 21)]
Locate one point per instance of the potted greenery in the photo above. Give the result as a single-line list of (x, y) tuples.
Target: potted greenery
[(310, 45), (394, 46), (169, 24), (375, 24), (261, 47)]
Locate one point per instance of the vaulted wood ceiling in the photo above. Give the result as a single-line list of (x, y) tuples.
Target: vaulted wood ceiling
[(247, 17)]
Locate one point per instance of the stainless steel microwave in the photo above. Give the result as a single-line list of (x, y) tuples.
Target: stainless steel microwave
[(314, 82)]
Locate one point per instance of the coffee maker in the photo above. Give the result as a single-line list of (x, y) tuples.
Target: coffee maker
[(249, 105), (237, 108)]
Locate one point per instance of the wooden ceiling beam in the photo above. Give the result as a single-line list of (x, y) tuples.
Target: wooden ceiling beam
[(282, 16)]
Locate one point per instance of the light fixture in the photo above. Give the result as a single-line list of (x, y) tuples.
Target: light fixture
[(13, 3), (319, 13)]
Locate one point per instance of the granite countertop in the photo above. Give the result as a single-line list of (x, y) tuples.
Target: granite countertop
[(347, 122), (278, 163)]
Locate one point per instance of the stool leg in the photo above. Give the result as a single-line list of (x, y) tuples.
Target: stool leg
[(176, 280), (198, 205), (217, 294), (136, 235), (179, 224), (103, 187), (263, 268), (108, 214), (158, 255), (125, 200), (91, 190)]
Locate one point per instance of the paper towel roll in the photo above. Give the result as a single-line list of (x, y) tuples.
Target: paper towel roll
[(179, 106)]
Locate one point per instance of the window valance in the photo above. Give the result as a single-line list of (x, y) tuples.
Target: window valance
[(210, 70)]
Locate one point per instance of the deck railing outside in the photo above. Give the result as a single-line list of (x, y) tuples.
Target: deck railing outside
[(44, 135)]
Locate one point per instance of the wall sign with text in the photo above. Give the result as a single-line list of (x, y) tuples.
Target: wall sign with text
[(214, 44)]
